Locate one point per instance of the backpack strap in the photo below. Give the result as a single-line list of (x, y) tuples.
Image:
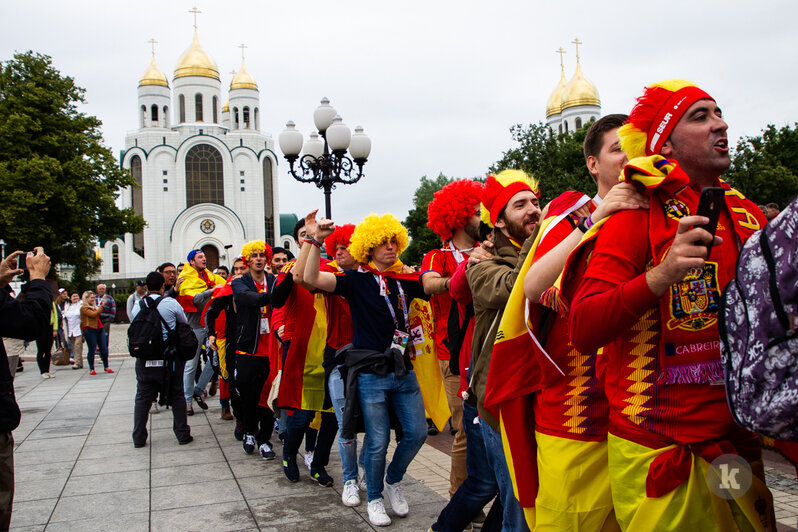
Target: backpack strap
[(778, 306)]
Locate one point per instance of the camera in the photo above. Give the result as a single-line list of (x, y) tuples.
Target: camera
[(22, 260)]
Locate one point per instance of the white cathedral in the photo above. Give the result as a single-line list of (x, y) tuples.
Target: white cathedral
[(206, 175), (573, 103)]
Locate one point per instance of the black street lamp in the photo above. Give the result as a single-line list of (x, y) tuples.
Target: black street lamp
[(325, 161)]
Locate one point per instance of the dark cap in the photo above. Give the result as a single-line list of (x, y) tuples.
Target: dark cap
[(141, 283)]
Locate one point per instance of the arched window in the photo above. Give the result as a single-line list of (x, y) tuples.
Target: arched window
[(211, 256), (578, 122), (143, 116), (268, 200), (204, 175), (592, 119), (154, 115), (182, 101), (560, 129), (165, 116), (215, 111), (566, 125), (235, 117), (115, 258), (137, 201), (198, 107), (286, 244), (257, 120), (245, 115)]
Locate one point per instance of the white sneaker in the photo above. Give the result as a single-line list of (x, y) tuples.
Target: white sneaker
[(351, 495), (377, 515), (397, 500), (361, 480), (308, 459), (46, 376)]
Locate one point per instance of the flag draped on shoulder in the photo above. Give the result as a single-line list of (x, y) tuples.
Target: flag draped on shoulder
[(195, 283), (515, 370), (302, 384)]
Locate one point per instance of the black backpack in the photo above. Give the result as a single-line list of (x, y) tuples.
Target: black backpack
[(145, 335)]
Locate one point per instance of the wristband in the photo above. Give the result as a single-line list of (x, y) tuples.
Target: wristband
[(583, 224), (315, 243)]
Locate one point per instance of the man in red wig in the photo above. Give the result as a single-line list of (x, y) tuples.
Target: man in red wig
[(650, 294), (454, 216)]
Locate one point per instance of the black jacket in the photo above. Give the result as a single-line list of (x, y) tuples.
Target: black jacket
[(248, 307), (24, 320)]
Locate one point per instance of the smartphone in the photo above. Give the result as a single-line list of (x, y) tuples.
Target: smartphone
[(709, 205), (22, 260)]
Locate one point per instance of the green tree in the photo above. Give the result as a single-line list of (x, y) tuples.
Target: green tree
[(58, 182), (765, 168), (422, 239), (557, 160)]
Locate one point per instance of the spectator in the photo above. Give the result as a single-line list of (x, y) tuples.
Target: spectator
[(72, 318), (23, 319), (135, 297), (772, 210), (93, 331), (107, 307)]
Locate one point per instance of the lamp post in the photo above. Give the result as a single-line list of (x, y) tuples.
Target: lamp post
[(2, 249), (325, 161)]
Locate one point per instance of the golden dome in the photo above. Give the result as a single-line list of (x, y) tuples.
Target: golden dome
[(580, 91), (153, 76), (554, 105), (196, 62), (226, 106), (243, 80)]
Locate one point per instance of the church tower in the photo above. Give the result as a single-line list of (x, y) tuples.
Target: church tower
[(203, 180), (579, 100)]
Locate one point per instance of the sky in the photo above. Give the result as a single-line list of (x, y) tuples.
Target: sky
[(435, 84)]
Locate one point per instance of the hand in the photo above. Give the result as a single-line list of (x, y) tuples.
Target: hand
[(582, 211), (687, 251), (324, 228), (55, 333), (8, 269), (280, 331), (179, 282), (483, 252), (38, 263), (408, 269), (212, 343), (311, 226), (621, 196)]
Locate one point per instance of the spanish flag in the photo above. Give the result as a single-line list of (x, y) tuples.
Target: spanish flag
[(425, 363), (303, 385), (516, 368), (195, 283)]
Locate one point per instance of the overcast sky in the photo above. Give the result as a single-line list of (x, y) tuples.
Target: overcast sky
[(435, 84)]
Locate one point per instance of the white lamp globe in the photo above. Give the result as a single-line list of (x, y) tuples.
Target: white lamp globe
[(338, 135), (360, 146), (323, 115), (290, 140)]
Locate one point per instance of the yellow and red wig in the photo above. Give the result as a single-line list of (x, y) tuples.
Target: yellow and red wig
[(342, 236), (256, 245), (374, 231), (500, 188)]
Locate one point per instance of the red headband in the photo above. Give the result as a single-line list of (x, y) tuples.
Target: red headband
[(669, 115)]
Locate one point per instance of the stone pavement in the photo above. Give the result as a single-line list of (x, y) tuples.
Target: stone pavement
[(76, 468)]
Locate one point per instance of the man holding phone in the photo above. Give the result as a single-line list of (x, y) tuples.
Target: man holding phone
[(649, 295)]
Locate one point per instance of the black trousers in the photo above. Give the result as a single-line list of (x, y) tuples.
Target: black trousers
[(251, 374), (230, 357), (44, 345), (298, 423), (149, 382)]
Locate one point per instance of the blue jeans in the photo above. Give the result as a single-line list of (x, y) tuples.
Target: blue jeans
[(346, 448), (403, 396), (96, 338), (513, 518), (479, 488), (189, 389)]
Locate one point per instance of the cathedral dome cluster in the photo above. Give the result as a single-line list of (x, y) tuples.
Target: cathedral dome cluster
[(573, 103), (205, 174)]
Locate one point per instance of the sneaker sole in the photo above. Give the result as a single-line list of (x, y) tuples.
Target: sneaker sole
[(268, 457), (351, 504)]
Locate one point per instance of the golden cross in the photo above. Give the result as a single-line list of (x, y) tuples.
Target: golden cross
[(195, 11), (577, 42), (153, 42), (233, 73), (242, 46), (561, 52)]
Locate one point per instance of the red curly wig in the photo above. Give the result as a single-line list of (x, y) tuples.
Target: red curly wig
[(452, 206), (341, 236)]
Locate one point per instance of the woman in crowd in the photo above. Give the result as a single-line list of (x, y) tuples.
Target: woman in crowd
[(74, 336), (93, 331)]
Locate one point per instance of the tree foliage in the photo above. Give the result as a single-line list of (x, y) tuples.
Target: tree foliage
[(58, 182), (557, 160), (765, 168), (422, 239)]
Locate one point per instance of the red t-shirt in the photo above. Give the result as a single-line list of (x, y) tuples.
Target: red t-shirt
[(444, 263), (613, 305)]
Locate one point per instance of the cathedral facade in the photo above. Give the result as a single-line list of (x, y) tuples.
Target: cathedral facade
[(206, 176)]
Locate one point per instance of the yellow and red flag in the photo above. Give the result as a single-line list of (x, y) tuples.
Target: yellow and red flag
[(425, 363), (195, 283)]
